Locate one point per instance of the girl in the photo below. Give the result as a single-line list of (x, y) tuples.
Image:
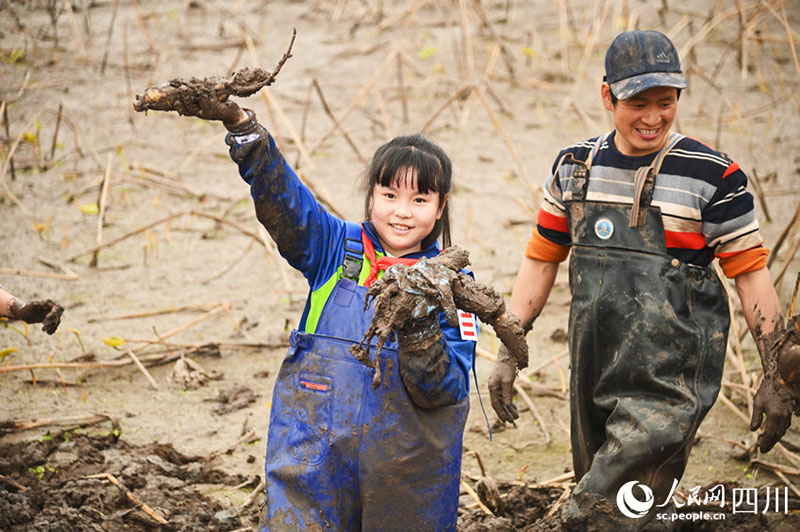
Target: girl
[(341, 455)]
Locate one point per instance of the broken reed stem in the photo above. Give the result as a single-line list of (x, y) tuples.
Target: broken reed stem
[(785, 23), (402, 87), (10, 195), (126, 71), (778, 243), (143, 27), (319, 190), (171, 184), (217, 138), (555, 480), (358, 99), (794, 296), (507, 139), (507, 57), (701, 34), (304, 121), (248, 437), (559, 502), (219, 345), (228, 268), (146, 509), (727, 402), (108, 37), (262, 486), (776, 467), (591, 40), (789, 258), (55, 133), (161, 221), (223, 307), (8, 138), (160, 312), (786, 481), (101, 202), (759, 193), (139, 365), (336, 123), (76, 33), (275, 130), (41, 275), (27, 424), (535, 411), (471, 493), (462, 92), (13, 483), (66, 365), (128, 235), (466, 44)]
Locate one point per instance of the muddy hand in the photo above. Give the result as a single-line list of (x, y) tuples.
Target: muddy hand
[(501, 386), (774, 403), (46, 312)]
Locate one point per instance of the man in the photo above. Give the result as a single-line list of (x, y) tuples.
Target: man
[(644, 212)]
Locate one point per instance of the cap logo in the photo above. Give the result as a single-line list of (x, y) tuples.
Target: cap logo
[(663, 57)]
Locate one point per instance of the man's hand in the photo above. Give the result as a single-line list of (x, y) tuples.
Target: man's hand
[(773, 401), (501, 386), (46, 312)]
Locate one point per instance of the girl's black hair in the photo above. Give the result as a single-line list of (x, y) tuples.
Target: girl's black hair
[(433, 170)]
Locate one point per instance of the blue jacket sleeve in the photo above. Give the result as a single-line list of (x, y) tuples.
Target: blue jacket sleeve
[(298, 224)]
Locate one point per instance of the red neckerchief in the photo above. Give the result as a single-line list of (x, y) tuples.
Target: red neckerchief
[(382, 263)]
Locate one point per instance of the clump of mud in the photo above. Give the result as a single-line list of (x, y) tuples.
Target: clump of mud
[(44, 486), (526, 509)]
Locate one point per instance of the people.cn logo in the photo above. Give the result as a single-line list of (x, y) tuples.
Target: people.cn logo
[(629, 504)]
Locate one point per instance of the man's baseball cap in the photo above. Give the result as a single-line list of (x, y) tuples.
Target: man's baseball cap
[(639, 60)]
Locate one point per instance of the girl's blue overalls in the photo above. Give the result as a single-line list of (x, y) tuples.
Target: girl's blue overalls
[(342, 456), (647, 346)]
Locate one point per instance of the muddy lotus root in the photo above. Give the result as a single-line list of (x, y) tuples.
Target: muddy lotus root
[(183, 96), (436, 283)]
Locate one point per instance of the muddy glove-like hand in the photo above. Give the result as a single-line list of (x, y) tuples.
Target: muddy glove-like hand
[(424, 362), (408, 300), (501, 386), (773, 401), (46, 312)]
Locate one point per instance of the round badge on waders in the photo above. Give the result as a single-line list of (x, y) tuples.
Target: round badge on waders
[(603, 228)]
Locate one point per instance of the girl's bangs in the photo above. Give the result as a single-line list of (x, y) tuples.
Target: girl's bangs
[(425, 165)]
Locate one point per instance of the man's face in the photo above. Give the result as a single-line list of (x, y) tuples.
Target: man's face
[(642, 121)]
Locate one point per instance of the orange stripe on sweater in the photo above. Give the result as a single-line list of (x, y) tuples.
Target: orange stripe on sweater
[(552, 222), (675, 239)]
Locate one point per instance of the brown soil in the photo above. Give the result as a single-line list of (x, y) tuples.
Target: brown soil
[(62, 492), (215, 281)]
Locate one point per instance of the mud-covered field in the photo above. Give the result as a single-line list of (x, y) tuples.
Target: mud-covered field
[(140, 226)]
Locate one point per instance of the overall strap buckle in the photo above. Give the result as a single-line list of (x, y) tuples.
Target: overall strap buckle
[(353, 253), (644, 182), (580, 174)]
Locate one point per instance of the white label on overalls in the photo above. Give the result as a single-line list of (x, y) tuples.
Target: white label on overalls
[(468, 326), (603, 228)]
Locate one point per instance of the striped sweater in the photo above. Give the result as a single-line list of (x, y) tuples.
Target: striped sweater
[(705, 207)]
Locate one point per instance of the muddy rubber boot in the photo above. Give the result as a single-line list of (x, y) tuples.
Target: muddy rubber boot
[(591, 513)]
